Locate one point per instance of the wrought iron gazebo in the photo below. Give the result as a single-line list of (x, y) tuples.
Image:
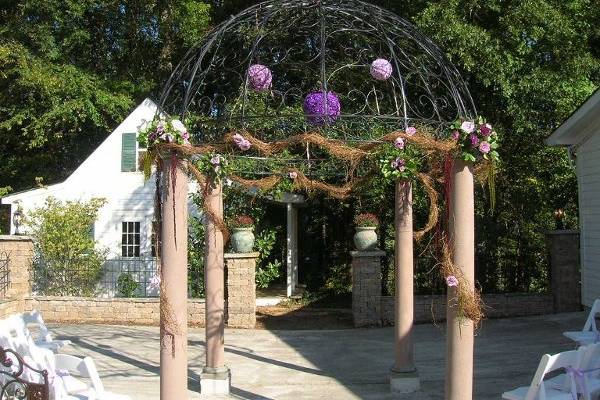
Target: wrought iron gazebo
[(349, 79), (315, 45)]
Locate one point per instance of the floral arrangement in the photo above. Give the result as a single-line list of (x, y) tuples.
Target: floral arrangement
[(163, 130), (260, 77), (381, 69), (321, 107), (241, 142), (366, 219), (214, 166), (400, 160), (477, 139), (241, 221)]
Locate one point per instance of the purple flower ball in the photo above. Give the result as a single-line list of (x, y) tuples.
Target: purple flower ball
[(259, 77), (381, 69), (320, 108)]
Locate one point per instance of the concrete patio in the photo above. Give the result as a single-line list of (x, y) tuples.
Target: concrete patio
[(325, 364)]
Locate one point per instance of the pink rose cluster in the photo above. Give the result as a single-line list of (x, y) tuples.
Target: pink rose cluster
[(477, 134), (241, 142)]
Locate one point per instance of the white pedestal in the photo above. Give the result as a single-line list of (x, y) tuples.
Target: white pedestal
[(404, 382), (215, 380)]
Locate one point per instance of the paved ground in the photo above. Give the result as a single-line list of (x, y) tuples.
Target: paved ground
[(325, 364)]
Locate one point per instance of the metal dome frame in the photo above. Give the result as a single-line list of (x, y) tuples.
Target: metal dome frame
[(315, 45)]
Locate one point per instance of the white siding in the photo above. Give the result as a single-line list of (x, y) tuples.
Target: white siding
[(588, 172)]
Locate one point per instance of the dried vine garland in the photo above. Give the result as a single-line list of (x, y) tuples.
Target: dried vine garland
[(208, 165)]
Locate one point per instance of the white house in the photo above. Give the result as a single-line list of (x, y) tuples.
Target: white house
[(124, 224), (580, 133)]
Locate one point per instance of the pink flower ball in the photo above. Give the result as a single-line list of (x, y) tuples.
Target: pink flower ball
[(456, 135), (411, 131), (381, 69), (399, 143), (260, 77), (484, 147)]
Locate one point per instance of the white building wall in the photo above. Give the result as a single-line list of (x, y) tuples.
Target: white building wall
[(588, 171), (129, 197)]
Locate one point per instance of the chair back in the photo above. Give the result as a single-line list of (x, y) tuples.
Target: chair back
[(550, 363), (590, 323), (35, 318)]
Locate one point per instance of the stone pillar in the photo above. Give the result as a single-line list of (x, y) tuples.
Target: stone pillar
[(366, 287), (241, 289), (404, 377), (173, 296), (19, 250), (215, 376), (459, 333), (292, 249), (563, 246)]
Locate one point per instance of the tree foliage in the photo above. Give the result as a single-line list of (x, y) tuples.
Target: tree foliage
[(69, 71)]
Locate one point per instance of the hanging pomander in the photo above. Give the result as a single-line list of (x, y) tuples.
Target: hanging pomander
[(381, 69), (321, 107), (260, 77)]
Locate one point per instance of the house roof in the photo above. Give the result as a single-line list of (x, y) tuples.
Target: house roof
[(11, 198), (582, 124)]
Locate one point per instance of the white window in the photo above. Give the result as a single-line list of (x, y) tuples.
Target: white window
[(130, 239)]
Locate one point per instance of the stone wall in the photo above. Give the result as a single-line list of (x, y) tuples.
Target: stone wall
[(563, 246), (366, 287), (241, 290), (433, 308), (107, 310), (20, 253)]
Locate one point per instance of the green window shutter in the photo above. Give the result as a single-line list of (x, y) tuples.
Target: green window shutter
[(128, 149)]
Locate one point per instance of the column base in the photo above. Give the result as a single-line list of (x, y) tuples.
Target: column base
[(404, 381), (215, 380)]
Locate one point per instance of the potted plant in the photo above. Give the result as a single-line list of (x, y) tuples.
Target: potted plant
[(242, 238), (365, 238)]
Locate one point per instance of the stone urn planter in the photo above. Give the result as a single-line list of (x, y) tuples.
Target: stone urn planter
[(242, 240), (365, 238), (242, 236)]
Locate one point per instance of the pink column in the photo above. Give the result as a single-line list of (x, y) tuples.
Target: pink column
[(459, 370), (404, 377), (215, 375), (173, 296)]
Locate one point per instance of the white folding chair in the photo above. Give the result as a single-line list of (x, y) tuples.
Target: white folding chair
[(589, 334), (64, 370), (588, 372), (541, 390), (86, 368), (44, 339)]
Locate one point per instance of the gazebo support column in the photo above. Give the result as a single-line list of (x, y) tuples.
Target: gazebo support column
[(215, 377), (292, 249), (173, 296), (404, 377), (459, 370)]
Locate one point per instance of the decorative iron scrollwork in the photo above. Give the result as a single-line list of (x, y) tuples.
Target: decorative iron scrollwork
[(14, 385)]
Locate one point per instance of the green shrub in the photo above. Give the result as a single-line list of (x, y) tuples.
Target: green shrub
[(68, 262), (127, 285)]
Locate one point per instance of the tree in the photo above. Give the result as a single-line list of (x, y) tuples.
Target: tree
[(68, 260)]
